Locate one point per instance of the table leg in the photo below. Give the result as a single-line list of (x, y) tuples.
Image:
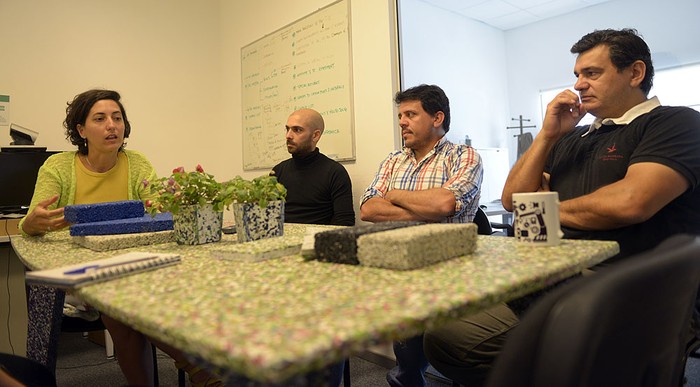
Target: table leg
[(45, 312)]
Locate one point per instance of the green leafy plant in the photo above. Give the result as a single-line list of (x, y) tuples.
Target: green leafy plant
[(260, 190), (184, 188)]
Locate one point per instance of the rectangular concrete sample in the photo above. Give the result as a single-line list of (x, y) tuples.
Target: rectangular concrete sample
[(145, 223), (415, 247), (100, 212), (123, 241), (340, 246)]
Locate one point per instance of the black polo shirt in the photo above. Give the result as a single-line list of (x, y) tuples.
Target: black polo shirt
[(666, 135)]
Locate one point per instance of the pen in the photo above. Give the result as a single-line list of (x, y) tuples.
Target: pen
[(84, 269)]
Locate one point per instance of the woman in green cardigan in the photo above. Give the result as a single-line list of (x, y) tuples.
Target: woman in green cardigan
[(101, 170)]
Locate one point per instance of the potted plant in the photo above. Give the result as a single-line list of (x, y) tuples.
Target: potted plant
[(258, 207), (197, 202)]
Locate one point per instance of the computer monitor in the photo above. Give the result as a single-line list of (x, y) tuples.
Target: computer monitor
[(18, 172)]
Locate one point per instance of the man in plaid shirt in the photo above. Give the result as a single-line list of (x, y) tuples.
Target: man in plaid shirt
[(430, 180)]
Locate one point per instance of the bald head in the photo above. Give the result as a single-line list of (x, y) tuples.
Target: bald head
[(311, 119), (304, 128)]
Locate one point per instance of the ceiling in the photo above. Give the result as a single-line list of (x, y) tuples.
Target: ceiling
[(507, 14)]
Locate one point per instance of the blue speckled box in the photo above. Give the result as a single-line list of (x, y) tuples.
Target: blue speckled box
[(99, 212), (145, 223)]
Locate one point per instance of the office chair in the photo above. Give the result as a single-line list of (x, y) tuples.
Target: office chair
[(27, 371), (625, 325), (76, 324), (692, 349), (486, 227)]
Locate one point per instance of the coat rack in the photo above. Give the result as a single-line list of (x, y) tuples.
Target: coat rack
[(524, 138)]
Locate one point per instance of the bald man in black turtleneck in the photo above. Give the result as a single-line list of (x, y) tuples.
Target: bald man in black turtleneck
[(319, 190)]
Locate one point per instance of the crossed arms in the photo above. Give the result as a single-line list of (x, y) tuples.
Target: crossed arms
[(431, 205), (442, 188), (645, 189)]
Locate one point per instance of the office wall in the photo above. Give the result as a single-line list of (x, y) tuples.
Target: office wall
[(468, 60), (374, 75), (177, 64), (163, 56), (539, 59)]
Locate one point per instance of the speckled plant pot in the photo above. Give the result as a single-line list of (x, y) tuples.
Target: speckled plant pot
[(197, 225), (254, 222)]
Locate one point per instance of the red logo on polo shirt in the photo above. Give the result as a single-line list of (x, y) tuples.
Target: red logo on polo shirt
[(612, 154)]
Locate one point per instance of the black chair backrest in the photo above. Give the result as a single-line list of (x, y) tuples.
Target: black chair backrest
[(27, 371), (625, 325), (482, 222)]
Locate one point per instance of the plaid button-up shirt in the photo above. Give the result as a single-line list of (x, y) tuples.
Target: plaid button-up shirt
[(454, 167)]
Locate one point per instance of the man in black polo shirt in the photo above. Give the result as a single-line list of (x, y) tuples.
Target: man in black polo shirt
[(632, 176)]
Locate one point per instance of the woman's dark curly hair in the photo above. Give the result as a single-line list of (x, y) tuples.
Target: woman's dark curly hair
[(78, 110)]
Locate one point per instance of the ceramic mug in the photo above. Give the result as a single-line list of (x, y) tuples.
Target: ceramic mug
[(536, 218)]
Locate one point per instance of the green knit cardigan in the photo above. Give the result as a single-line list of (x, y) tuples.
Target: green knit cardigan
[(57, 176)]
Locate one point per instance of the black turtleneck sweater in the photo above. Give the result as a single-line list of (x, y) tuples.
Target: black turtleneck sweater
[(319, 190)]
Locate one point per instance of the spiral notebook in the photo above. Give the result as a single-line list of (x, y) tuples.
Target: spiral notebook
[(75, 276)]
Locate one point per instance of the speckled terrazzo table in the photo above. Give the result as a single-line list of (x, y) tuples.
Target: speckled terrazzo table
[(272, 319)]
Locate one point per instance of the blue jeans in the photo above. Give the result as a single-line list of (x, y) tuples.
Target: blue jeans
[(411, 364), (336, 374)]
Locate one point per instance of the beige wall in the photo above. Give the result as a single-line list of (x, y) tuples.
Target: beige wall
[(165, 62), (177, 65)]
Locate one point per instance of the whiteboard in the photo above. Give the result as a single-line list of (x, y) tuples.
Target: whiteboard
[(306, 64)]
